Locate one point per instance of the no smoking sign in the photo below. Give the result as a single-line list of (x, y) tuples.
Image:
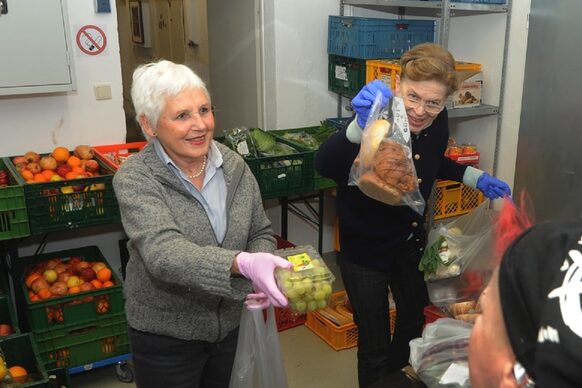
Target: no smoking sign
[(91, 40)]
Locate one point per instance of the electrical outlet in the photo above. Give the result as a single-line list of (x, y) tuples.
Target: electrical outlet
[(102, 91)]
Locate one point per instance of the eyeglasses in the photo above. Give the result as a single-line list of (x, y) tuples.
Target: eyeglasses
[(430, 107)]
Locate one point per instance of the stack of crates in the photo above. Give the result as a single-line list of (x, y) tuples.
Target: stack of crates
[(77, 330), (13, 215), (352, 41)]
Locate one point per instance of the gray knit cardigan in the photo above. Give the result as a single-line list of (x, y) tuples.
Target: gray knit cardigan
[(178, 280)]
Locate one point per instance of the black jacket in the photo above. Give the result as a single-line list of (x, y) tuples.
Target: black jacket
[(371, 230)]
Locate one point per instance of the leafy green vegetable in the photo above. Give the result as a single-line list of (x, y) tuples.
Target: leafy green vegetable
[(430, 259), (263, 141)]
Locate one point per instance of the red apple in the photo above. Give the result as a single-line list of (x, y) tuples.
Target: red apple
[(59, 288), (5, 330), (86, 286), (64, 276), (87, 274), (38, 284), (63, 169)]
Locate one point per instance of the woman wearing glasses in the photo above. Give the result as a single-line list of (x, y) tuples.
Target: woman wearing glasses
[(382, 244), (193, 213)]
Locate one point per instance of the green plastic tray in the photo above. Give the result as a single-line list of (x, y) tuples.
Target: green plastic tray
[(84, 346), (13, 215), (52, 207), (22, 350), (59, 315), (346, 76), (319, 182)]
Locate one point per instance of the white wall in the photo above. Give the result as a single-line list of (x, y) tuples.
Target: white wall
[(41, 122)]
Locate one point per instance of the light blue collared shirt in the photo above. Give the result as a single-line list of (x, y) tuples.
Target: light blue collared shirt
[(213, 194)]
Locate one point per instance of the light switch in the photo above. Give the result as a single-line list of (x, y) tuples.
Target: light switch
[(102, 6), (102, 91)]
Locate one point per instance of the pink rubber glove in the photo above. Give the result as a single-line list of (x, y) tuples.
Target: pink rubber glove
[(257, 301), (259, 268)]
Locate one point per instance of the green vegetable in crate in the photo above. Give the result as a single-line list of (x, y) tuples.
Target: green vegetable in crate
[(264, 142), (240, 140), (302, 138)]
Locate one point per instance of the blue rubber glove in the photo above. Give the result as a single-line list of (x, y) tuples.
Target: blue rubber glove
[(365, 99), (492, 187)]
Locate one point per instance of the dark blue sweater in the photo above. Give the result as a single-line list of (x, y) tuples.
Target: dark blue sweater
[(370, 231)]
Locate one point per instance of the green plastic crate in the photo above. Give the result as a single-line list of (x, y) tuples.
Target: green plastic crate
[(283, 175), (59, 377), (58, 315), (13, 215), (319, 182), (345, 75), (54, 206), (22, 350), (84, 346), (7, 315)]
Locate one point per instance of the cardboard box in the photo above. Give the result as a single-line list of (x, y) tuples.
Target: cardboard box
[(469, 93)]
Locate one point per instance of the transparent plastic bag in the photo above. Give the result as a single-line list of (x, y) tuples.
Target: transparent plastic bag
[(440, 357), (258, 362), (383, 169), (458, 257)]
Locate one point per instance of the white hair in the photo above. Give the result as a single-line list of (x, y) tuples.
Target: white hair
[(154, 82)]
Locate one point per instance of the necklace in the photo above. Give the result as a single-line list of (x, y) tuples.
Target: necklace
[(201, 170)]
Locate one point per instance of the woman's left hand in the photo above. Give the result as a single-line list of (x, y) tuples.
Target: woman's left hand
[(492, 187)]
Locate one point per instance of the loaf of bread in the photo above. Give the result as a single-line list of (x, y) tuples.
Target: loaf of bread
[(391, 176)]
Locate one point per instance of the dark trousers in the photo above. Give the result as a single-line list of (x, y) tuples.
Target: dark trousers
[(367, 290), (168, 362)]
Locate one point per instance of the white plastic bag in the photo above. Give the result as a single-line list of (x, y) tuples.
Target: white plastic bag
[(457, 260), (384, 169), (440, 357), (258, 363)]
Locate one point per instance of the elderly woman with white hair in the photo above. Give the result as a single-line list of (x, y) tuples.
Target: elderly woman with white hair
[(197, 233)]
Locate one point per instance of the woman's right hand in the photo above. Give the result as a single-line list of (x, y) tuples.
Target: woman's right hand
[(259, 268), (365, 98)]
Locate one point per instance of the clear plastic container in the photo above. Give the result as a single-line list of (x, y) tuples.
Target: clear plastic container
[(308, 284)]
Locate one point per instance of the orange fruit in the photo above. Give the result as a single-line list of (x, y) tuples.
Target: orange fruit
[(103, 275), (74, 289), (31, 278), (48, 174), (96, 283), (26, 174), (73, 161), (34, 298), (18, 373), (44, 293), (107, 283), (78, 170), (61, 154), (39, 178)]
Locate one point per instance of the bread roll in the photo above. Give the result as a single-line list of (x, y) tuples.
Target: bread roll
[(373, 136)]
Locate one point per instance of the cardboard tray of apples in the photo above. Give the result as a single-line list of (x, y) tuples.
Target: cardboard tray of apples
[(308, 284), (69, 288)]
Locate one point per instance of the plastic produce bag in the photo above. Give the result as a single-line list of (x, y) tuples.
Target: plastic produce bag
[(240, 140), (441, 356), (258, 363), (457, 260), (384, 169)]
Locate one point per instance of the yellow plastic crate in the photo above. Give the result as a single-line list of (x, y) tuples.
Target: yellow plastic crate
[(454, 199), (342, 336), (386, 70)]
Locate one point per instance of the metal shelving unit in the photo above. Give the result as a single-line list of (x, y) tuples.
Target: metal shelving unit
[(443, 11)]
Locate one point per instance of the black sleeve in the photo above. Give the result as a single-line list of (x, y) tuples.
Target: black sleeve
[(335, 157)]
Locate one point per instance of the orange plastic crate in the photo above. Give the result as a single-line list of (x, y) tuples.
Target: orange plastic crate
[(454, 199), (343, 336), (113, 155)]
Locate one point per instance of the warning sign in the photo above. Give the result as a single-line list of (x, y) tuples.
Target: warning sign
[(91, 40)]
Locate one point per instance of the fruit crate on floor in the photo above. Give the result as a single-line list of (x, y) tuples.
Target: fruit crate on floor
[(69, 204), (13, 215), (22, 350), (343, 336), (286, 319), (58, 315), (115, 154), (454, 199), (84, 346)]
